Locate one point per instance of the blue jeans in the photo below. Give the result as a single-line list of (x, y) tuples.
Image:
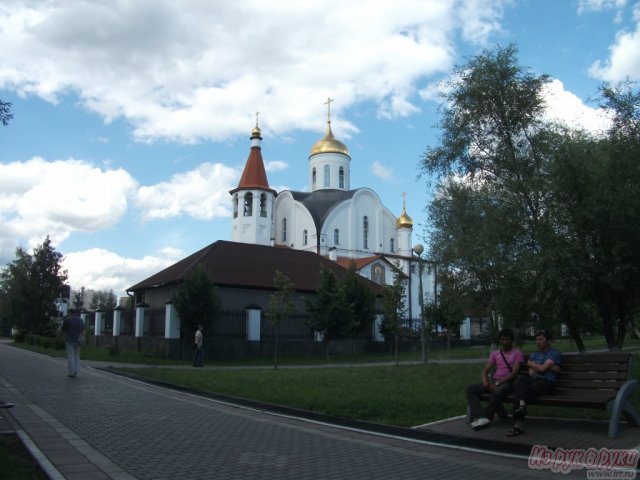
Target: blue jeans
[(73, 358), (198, 357)]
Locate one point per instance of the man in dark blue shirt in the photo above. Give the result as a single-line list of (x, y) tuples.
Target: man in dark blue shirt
[(543, 366)]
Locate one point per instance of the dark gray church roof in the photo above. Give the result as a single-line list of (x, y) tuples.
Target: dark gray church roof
[(242, 265), (320, 203)]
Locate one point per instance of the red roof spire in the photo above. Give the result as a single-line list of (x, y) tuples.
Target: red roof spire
[(254, 175)]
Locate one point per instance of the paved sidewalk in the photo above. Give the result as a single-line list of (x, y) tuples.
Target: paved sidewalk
[(101, 426)]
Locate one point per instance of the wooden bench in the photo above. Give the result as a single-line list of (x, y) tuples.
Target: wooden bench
[(602, 381)]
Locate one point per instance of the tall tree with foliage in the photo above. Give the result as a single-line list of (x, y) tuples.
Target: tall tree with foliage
[(394, 310), (281, 307), (491, 161), (29, 287), (197, 301), (596, 203), (359, 301), (103, 300), (538, 218)]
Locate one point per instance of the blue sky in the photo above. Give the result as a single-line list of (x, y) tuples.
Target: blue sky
[(132, 117)]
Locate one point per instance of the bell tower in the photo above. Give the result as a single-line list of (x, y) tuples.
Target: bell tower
[(252, 200)]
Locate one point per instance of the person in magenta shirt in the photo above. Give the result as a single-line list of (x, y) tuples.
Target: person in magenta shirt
[(505, 364)]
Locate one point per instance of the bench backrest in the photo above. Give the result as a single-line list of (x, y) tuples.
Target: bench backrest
[(599, 371)]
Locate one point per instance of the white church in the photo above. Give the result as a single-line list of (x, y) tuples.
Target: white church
[(331, 219)]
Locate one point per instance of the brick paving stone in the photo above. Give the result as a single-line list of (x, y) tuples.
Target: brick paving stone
[(120, 429)]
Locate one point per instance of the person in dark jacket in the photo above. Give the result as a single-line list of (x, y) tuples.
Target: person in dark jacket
[(72, 327)]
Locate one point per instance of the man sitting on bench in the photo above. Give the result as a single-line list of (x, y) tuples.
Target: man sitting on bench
[(543, 365)]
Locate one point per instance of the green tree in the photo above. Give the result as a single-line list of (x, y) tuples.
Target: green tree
[(78, 299), (328, 312), (490, 164), (197, 301), (394, 310), (536, 220), (103, 300), (359, 301), (596, 207), (29, 287), (5, 113), (281, 307), (449, 310)]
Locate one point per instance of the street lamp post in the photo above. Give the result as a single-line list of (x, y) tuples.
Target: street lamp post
[(418, 249)]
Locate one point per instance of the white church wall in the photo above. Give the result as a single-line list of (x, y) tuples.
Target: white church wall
[(298, 220), (334, 161), (301, 220), (339, 219), (367, 203)]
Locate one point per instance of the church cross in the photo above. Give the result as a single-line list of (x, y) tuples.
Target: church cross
[(257, 114), (328, 104), (404, 200)]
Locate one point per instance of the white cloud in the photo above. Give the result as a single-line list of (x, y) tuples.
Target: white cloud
[(202, 193), (585, 6), (197, 70), (38, 197), (624, 59), (624, 55), (99, 269), (479, 19), (568, 108), (381, 171), (276, 165)]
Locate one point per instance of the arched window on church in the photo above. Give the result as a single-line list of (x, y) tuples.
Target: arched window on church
[(263, 205), (284, 229), (305, 237), (377, 275), (336, 237), (392, 245), (235, 206), (327, 176), (341, 177), (313, 178), (365, 232), (248, 204)]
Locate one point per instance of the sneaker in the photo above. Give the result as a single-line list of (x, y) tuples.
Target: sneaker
[(480, 423)]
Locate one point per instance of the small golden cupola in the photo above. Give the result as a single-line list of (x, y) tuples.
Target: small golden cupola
[(404, 220)]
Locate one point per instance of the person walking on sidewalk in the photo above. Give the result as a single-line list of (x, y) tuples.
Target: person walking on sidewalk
[(506, 361), (72, 328), (198, 357)]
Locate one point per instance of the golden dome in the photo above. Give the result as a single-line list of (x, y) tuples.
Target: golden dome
[(256, 132), (328, 144), (404, 221)]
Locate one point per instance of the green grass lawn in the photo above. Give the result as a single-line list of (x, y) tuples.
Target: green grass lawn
[(16, 463), (407, 395)]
